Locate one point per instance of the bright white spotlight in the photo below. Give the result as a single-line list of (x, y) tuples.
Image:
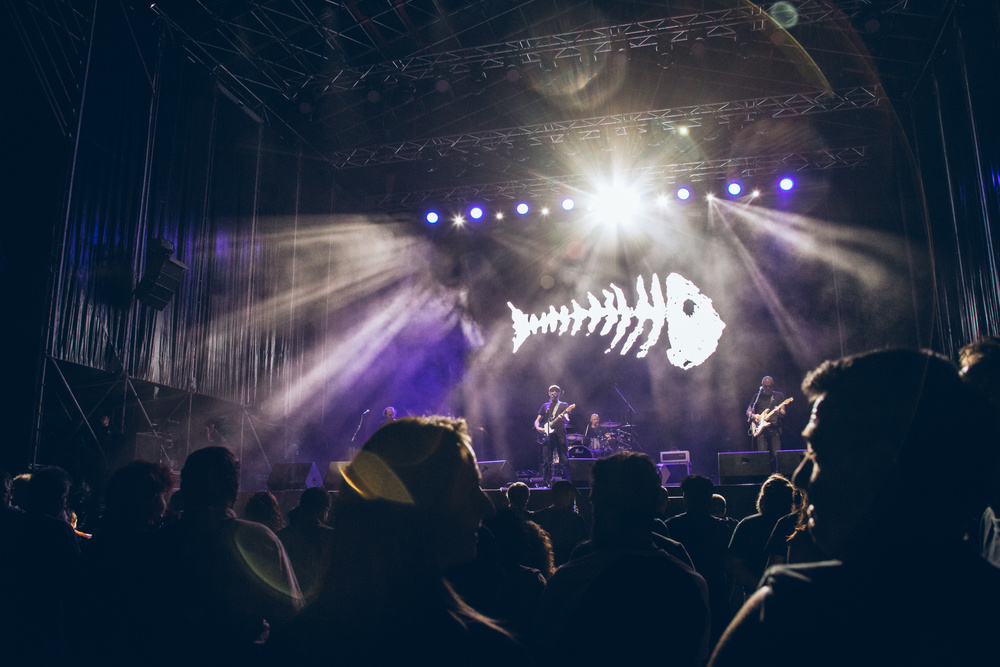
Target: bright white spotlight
[(616, 204), (683, 130), (683, 194), (661, 201), (499, 215), (734, 188), (522, 209), (433, 217), (545, 211), (786, 184), (458, 220), (568, 204), (755, 194), (475, 212)]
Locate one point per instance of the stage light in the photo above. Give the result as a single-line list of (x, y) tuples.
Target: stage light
[(786, 184), (568, 204), (475, 213), (617, 204), (545, 210), (458, 220), (433, 217), (522, 209), (755, 194), (661, 201), (683, 130), (499, 215), (734, 188), (683, 194)]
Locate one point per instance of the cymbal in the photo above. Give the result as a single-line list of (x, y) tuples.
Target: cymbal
[(610, 424), (575, 437)]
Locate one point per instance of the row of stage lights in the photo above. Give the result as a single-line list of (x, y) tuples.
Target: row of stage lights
[(683, 194)]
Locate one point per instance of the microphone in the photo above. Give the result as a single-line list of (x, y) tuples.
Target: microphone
[(365, 412)]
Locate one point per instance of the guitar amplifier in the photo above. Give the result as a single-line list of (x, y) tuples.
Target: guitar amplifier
[(675, 456)]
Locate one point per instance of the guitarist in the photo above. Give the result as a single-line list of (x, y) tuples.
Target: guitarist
[(556, 416), (768, 440)]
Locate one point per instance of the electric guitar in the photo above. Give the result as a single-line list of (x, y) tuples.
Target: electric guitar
[(542, 437), (755, 429)]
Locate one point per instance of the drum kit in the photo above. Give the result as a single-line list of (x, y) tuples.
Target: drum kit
[(618, 438)]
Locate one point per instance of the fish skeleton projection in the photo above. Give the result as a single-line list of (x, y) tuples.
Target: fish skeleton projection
[(693, 325)]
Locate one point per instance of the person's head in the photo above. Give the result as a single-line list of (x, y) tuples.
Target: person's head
[(595, 420), (877, 419), (6, 483), (662, 502), (718, 505), (18, 489), (314, 504), (47, 492), (389, 413), (554, 392), (210, 478), (767, 384), (263, 508), (564, 494), (624, 491), (421, 470), (517, 495), (697, 491), (775, 497), (136, 497)]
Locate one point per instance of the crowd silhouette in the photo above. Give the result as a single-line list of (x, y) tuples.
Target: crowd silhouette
[(860, 559)]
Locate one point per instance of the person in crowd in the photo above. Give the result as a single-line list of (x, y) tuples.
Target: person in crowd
[(980, 364), (560, 520), (18, 489), (309, 541), (904, 588), (518, 495), (39, 557), (262, 507), (706, 539), (221, 583), (111, 594), (411, 506), (747, 556), (719, 508), (636, 604)]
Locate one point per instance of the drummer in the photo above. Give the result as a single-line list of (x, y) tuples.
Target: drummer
[(595, 436)]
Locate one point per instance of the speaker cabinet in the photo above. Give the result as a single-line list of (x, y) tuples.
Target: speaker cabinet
[(161, 282), (744, 467), (789, 460), (579, 471), (496, 474), (334, 477), (286, 476), (672, 474)]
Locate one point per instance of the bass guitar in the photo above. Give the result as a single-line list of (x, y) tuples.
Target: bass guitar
[(547, 429), (755, 429)]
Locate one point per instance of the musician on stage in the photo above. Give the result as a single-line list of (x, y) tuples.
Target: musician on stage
[(594, 434), (554, 412), (768, 440)]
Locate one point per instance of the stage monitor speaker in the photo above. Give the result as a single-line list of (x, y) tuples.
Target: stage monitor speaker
[(334, 477), (789, 460), (496, 474), (672, 474), (579, 471), (149, 447), (744, 467), (286, 476)]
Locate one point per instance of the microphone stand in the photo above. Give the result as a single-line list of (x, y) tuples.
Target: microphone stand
[(360, 421), (629, 406)]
